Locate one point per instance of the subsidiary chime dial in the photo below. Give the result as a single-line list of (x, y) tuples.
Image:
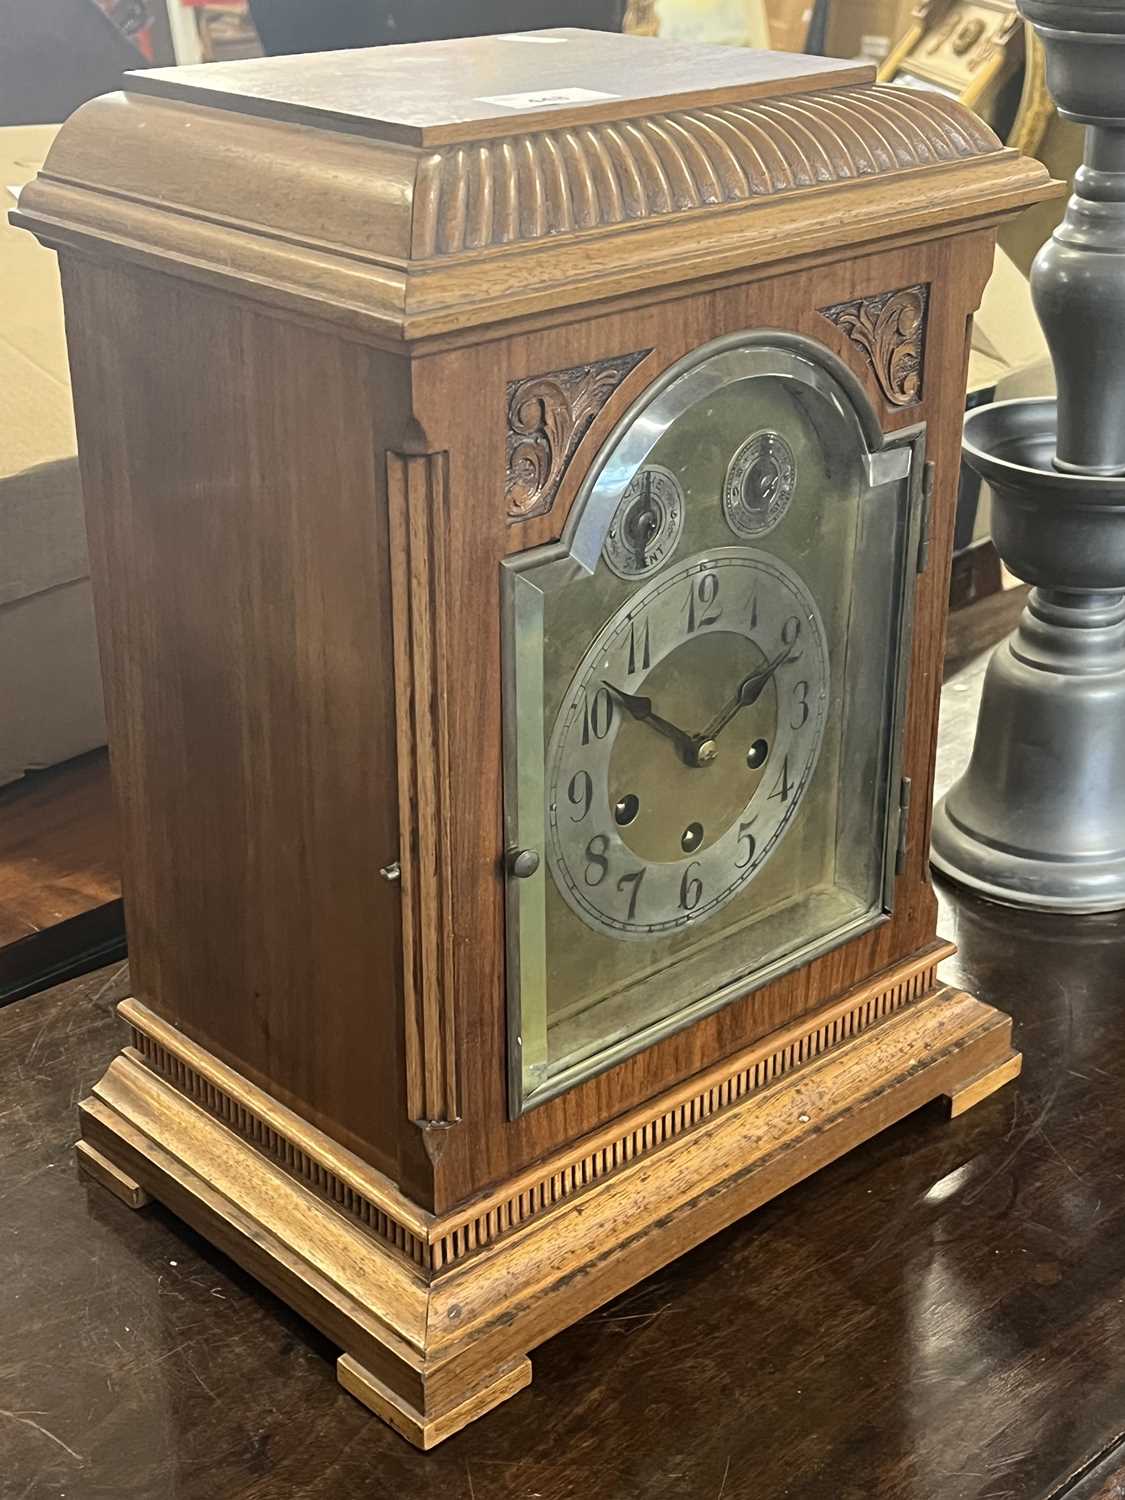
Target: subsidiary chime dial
[(647, 524), (688, 734)]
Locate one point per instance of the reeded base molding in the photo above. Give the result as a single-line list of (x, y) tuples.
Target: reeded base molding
[(433, 1339)]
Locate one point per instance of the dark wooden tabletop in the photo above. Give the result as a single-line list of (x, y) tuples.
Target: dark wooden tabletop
[(939, 1316)]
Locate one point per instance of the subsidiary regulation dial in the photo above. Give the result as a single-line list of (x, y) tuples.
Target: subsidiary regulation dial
[(646, 525), (759, 485)]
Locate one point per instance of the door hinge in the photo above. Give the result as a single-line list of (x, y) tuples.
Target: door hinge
[(927, 515), (903, 823)]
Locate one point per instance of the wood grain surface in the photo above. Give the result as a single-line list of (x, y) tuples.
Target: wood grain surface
[(419, 511), (437, 92), (242, 598)]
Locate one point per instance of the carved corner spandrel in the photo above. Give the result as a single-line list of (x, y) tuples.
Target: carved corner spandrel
[(890, 329), (548, 416)]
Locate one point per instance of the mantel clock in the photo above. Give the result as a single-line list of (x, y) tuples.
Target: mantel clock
[(519, 477)]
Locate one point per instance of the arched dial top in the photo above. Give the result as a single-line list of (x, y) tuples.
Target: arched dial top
[(701, 724)]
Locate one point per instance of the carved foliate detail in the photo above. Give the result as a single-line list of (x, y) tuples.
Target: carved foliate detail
[(891, 330), (548, 416)]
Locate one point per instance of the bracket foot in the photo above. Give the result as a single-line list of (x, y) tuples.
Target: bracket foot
[(102, 1170), (425, 1430), (978, 1088)]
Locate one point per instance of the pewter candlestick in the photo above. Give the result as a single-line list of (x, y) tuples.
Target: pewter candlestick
[(1038, 819)]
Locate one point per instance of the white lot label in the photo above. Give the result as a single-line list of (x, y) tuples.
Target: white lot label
[(547, 96)]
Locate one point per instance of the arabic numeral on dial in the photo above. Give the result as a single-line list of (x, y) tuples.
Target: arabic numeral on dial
[(782, 786), (703, 607), (633, 882), (597, 715), (640, 648), (580, 793), (597, 860), (746, 839), (791, 634), (691, 887), (801, 705)]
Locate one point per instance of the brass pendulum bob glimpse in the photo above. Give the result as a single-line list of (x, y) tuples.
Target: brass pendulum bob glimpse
[(1038, 819)]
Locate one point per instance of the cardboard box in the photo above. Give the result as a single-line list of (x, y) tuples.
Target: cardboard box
[(32, 339), (865, 28), (725, 23), (1009, 353), (788, 24)]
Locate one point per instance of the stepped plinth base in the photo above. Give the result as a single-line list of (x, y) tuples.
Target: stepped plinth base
[(435, 1320)]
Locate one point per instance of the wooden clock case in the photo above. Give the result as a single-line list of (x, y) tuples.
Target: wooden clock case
[(344, 334)]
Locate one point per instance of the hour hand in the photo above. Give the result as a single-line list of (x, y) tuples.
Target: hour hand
[(641, 710)]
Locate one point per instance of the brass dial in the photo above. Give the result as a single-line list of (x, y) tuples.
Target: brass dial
[(685, 742)]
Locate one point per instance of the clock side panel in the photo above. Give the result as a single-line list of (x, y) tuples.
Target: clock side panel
[(606, 363), (237, 519)]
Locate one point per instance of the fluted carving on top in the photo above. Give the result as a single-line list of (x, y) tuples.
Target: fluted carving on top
[(559, 182)]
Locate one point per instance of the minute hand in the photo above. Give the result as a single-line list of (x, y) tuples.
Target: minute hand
[(750, 689), (641, 710)]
